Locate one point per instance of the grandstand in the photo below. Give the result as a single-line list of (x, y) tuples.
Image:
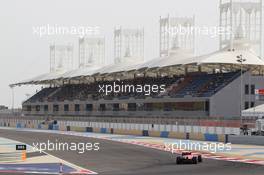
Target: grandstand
[(219, 84), (199, 94)]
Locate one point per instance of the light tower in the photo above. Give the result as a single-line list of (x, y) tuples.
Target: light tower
[(91, 51), (242, 24), (176, 32), (128, 45), (61, 57)]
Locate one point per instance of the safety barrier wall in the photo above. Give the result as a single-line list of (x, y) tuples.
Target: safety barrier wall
[(196, 136), (129, 126), (247, 140), (204, 133), (103, 130), (178, 135), (210, 137), (78, 129)]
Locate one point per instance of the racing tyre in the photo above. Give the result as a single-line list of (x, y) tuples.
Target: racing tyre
[(178, 160), (194, 160), (200, 158)]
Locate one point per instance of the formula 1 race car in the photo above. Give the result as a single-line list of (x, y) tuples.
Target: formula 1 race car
[(188, 158)]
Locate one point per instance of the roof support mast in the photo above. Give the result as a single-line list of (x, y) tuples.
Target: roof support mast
[(231, 26), (241, 21)]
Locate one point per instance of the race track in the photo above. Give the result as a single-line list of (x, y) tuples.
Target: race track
[(116, 158)]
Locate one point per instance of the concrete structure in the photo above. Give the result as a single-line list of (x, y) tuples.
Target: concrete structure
[(173, 37), (128, 45), (61, 57), (91, 51), (225, 103), (242, 21)]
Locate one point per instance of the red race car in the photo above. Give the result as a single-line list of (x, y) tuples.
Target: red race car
[(188, 157)]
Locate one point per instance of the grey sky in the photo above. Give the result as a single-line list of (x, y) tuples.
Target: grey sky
[(24, 55)]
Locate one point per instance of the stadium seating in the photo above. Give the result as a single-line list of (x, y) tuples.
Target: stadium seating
[(42, 94), (202, 85), (195, 85)]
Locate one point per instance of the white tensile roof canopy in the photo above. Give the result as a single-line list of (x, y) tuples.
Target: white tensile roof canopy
[(224, 57)]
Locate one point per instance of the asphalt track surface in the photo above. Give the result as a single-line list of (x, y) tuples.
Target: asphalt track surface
[(116, 158)]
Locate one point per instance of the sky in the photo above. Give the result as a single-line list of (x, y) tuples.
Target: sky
[(24, 54)]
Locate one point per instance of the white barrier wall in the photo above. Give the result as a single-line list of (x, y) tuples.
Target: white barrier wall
[(130, 126)]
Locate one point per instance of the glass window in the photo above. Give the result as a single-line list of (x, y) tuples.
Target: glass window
[(77, 107), (37, 107), (46, 108), (167, 107), (246, 105), (55, 107), (102, 107), (131, 106), (252, 89), (157, 106), (116, 107), (247, 89), (66, 107), (148, 106), (89, 107), (189, 106)]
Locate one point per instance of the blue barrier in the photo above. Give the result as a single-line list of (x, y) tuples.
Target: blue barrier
[(55, 127), (50, 126), (18, 125), (103, 130), (164, 134), (211, 137)]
